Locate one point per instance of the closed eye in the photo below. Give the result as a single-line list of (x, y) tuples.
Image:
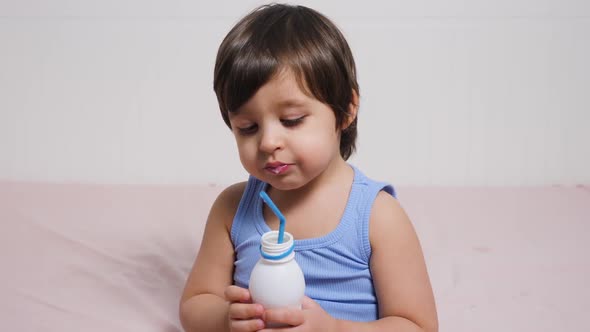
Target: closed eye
[(248, 130), (292, 122)]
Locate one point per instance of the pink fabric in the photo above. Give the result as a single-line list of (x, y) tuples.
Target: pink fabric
[(97, 258), (506, 259), (115, 257)]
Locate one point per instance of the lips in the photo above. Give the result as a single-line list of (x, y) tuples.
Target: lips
[(276, 168)]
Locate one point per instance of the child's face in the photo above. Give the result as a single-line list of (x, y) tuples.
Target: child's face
[(285, 137)]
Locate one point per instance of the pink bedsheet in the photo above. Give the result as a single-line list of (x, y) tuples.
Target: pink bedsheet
[(115, 257)]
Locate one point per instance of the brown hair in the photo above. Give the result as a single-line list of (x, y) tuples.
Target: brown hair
[(278, 36)]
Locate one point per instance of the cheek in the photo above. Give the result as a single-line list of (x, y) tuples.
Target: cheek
[(246, 150), (319, 142)]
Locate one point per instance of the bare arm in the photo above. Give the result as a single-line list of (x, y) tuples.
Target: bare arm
[(203, 306), (406, 301)]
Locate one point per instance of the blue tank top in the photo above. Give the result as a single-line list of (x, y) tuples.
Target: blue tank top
[(335, 266)]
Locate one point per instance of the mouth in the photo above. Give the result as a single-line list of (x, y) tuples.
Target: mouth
[(276, 168)]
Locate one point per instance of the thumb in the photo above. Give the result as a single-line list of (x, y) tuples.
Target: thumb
[(308, 303)]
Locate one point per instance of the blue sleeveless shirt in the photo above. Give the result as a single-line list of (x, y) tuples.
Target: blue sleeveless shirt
[(335, 266)]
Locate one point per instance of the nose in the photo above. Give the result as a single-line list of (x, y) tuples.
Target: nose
[(271, 139)]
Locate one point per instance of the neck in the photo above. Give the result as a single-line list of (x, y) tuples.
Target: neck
[(337, 176)]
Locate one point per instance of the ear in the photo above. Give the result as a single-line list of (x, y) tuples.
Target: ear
[(353, 108)]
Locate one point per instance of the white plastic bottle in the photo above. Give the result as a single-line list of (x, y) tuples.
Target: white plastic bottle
[(277, 280)]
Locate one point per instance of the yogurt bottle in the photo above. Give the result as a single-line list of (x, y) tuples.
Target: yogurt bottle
[(277, 280)]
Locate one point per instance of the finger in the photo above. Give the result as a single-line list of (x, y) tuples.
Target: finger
[(308, 303), (237, 294), (246, 325), (245, 311), (289, 316)]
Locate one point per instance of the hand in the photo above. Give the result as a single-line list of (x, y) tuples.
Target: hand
[(311, 317), (243, 315)]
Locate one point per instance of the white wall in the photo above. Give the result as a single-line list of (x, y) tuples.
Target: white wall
[(453, 92)]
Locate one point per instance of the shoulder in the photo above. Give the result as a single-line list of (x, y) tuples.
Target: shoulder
[(226, 204), (232, 194), (388, 219)]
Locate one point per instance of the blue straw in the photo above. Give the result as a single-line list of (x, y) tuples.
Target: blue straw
[(278, 213)]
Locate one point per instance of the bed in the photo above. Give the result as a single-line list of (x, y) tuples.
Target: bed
[(90, 257)]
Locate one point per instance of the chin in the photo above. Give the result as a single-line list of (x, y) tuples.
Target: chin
[(283, 185)]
